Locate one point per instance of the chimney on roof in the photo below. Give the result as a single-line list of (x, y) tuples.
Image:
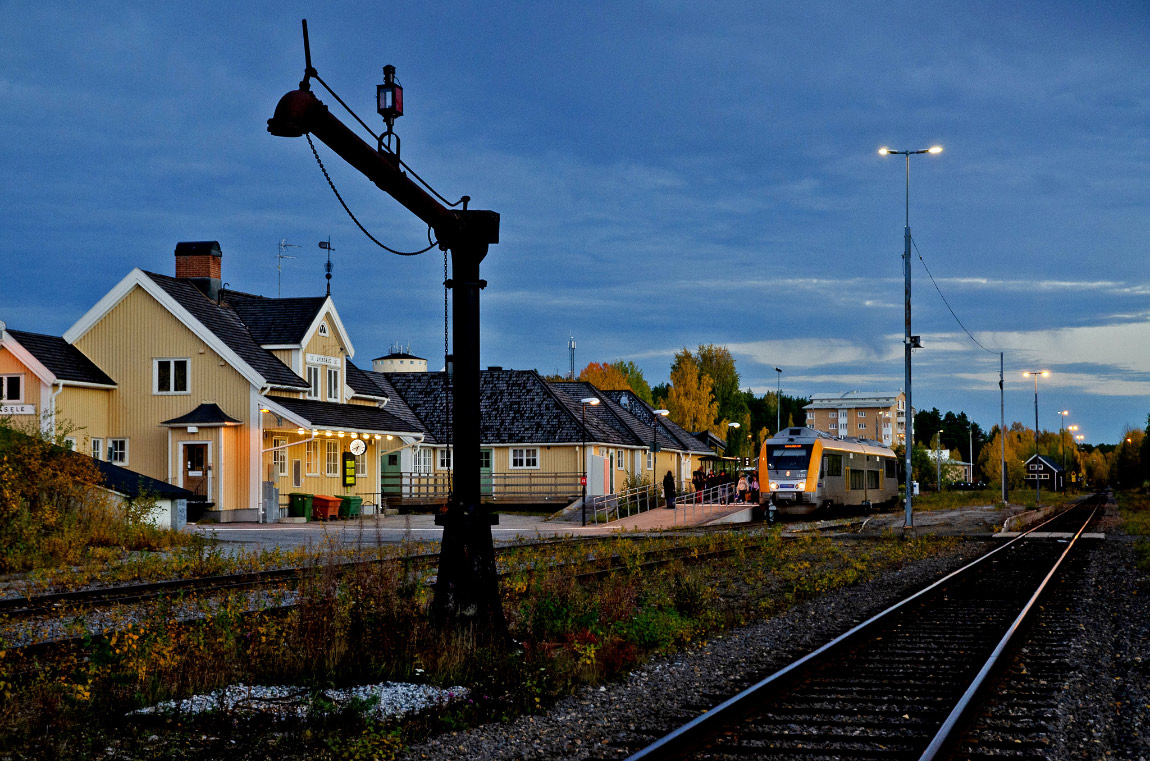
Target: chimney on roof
[(198, 262)]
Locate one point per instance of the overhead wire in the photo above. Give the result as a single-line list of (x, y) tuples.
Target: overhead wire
[(944, 301)]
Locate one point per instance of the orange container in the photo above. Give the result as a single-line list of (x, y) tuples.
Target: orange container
[(325, 508)]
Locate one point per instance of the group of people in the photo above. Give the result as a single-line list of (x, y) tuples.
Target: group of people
[(725, 486)]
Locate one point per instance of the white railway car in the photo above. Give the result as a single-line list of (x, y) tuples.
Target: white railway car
[(802, 470)]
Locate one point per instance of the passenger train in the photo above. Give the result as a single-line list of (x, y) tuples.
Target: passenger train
[(802, 470)]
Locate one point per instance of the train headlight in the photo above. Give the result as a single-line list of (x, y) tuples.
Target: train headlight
[(774, 486), (802, 485)]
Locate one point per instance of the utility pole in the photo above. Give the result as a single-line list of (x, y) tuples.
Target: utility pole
[(467, 587)]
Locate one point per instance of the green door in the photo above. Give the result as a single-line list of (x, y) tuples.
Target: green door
[(390, 474), (486, 485)]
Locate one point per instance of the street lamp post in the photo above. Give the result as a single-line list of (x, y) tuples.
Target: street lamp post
[(723, 487), (1062, 442), (592, 400), (779, 401), (656, 414), (907, 338), (1037, 480)]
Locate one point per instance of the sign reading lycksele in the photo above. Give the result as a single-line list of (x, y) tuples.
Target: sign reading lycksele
[(319, 359), (17, 409)]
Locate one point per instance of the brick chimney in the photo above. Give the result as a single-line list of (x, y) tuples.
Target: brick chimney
[(199, 263)]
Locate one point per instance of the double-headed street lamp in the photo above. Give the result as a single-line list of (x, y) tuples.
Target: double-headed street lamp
[(1037, 480), (909, 341), (779, 401), (592, 400), (1062, 439), (655, 415)]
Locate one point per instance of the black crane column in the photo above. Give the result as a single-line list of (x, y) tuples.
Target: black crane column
[(466, 588)]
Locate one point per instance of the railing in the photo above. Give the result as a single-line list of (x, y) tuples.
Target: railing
[(636, 500), (625, 504), (518, 486)]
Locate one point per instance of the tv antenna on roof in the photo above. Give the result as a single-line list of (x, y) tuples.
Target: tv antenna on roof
[(280, 256), (326, 245)]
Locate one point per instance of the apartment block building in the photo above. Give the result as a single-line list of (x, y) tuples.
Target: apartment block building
[(876, 415)]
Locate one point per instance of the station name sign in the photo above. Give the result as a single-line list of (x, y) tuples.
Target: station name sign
[(319, 359), (17, 409)]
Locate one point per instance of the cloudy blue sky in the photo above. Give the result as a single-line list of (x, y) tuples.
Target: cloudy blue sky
[(668, 174)]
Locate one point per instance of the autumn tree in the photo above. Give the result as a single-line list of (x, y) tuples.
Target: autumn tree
[(717, 362), (605, 377), (1019, 447), (690, 400)]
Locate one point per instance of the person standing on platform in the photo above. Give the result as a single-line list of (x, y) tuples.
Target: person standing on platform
[(669, 490)]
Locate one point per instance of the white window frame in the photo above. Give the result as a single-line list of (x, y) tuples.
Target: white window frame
[(443, 458), (4, 388), (171, 361), (311, 458), (296, 474), (524, 458), (331, 459), (862, 426), (279, 457), (97, 449), (862, 413), (422, 460), (333, 384), (313, 390), (650, 460), (118, 451), (361, 465), (834, 416), (620, 461)]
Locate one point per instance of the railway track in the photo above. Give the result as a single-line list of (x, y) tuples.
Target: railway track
[(901, 685)]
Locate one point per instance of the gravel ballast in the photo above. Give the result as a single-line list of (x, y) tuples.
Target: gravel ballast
[(1102, 708)]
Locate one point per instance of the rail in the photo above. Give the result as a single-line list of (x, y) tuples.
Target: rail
[(715, 723)]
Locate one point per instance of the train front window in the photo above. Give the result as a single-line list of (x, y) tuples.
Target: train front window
[(788, 458)]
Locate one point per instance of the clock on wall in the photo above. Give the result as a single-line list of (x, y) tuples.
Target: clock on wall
[(358, 447)]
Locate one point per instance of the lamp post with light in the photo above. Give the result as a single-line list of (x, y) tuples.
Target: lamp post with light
[(655, 415), (909, 341), (1062, 441), (779, 401), (592, 400), (1037, 480), (723, 487)]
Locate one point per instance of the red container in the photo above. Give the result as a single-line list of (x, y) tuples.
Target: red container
[(324, 508)]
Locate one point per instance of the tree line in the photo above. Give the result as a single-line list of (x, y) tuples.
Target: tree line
[(1124, 465), (704, 394)]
